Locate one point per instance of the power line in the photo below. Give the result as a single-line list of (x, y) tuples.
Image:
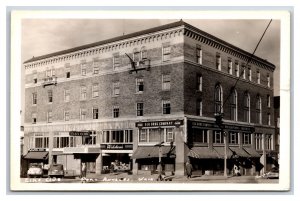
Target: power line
[(248, 61)]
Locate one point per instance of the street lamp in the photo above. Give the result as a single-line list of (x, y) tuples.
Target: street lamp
[(219, 122)]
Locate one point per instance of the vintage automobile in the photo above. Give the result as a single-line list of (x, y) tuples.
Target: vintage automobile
[(56, 170), (35, 170), (272, 174)]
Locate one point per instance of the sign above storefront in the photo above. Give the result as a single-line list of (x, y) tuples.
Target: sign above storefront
[(206, 125), (176, 123), (80, 133), (37, 149), (116, 146)]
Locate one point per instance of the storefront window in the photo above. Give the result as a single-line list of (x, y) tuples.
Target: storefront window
[(246, 138), (156, 135), (258, 141), (143, 135), (170, 135), (128, 136), (199, 135), (233, 138), (39, 142), (218, 137)]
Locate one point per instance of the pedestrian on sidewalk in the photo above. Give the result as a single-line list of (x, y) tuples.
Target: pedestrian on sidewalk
[(189, 169)]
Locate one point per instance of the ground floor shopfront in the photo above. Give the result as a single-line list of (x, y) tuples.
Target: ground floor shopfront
[(138, 147)]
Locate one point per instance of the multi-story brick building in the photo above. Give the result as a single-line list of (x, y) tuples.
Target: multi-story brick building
[(94, 104)]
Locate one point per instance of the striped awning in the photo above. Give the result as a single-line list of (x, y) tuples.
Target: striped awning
[(203, 153), (240, 152), (252, 152), (38, 155), (152, 152)]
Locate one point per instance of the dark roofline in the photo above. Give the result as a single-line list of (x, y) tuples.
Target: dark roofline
[(138, 33), (147, 31)]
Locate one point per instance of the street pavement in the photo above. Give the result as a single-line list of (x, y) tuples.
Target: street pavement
[(124, 177)]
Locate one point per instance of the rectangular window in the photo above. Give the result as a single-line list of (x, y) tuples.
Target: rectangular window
[(199, 82), (156, 135), (166, 82), (50, 96), (83, 113), (199, 107), (46, 142), (49, 117), (136, 56), (143, 135), (95, 113), (34, 98), (83, 93), (230, 66), (258, 77), (199, 135), (268, 101), (116, 88), (218, 137), (96, 67), (246, 138), (233, 138), (38, 142), (268, 81), (199, 55), (218, 62), (128, 136), (68, 71), (170, 135), (34, 77), (64, 142), (116, 111), (139, 85), (166, 107), (237, 69), (166, 53), (258, 141), (95, 90), (83, 69), (67, 115), (67, 95), (269, 142), (33, 116), (116, 61), (140, 109), (249, 74), (269, 119), (243, 72)]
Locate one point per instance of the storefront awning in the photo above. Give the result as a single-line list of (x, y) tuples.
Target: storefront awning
[(221, 153), (251, 152), (152, 152), (38, 155), (203, 153), (240, 152)]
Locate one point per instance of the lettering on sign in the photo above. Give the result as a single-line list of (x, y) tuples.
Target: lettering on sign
[(196, 124), (80, 133), (116, 146), (176, 123)]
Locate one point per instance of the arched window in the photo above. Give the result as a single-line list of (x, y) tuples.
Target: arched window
[(233, 105), (247, 107), (218, 99), (258, 110)]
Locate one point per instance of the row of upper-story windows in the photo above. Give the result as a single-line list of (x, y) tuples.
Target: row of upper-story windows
[(233, 101), (83, 113), (237, 70)]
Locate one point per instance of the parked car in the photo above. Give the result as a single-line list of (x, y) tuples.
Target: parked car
[(56, 170), (272, 174), (35, 170)]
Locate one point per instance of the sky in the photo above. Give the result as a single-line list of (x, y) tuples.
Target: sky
[(44, 36)]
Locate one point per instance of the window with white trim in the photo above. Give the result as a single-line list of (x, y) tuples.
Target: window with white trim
[(166, 53), (218, 61), (67, 115), (268, 101), (83, 114), (83, 69), (243, 72), (218, 99), (95, 113), (237, 69), (246, 138), (258, 77), (258, 137), (247, 107), (143, 135), (269, 142), (269, 119), (268, 81), (136, 56), (143, 53), (96, 65), (218, 137), (233, 138), (199, 108), (34, 98), (116, 88), (140, 109), (83, 93), (116, 61), (67, 95), (199, 83), (199, 135), (230, 66), (33, 117), (249, 74), (233, 106), (169, 135), (49, 116), (139, 85), (34, 77), (166, 82), (116, 111), (258, 110), (166, 107), (199, 55), (95, 90)]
